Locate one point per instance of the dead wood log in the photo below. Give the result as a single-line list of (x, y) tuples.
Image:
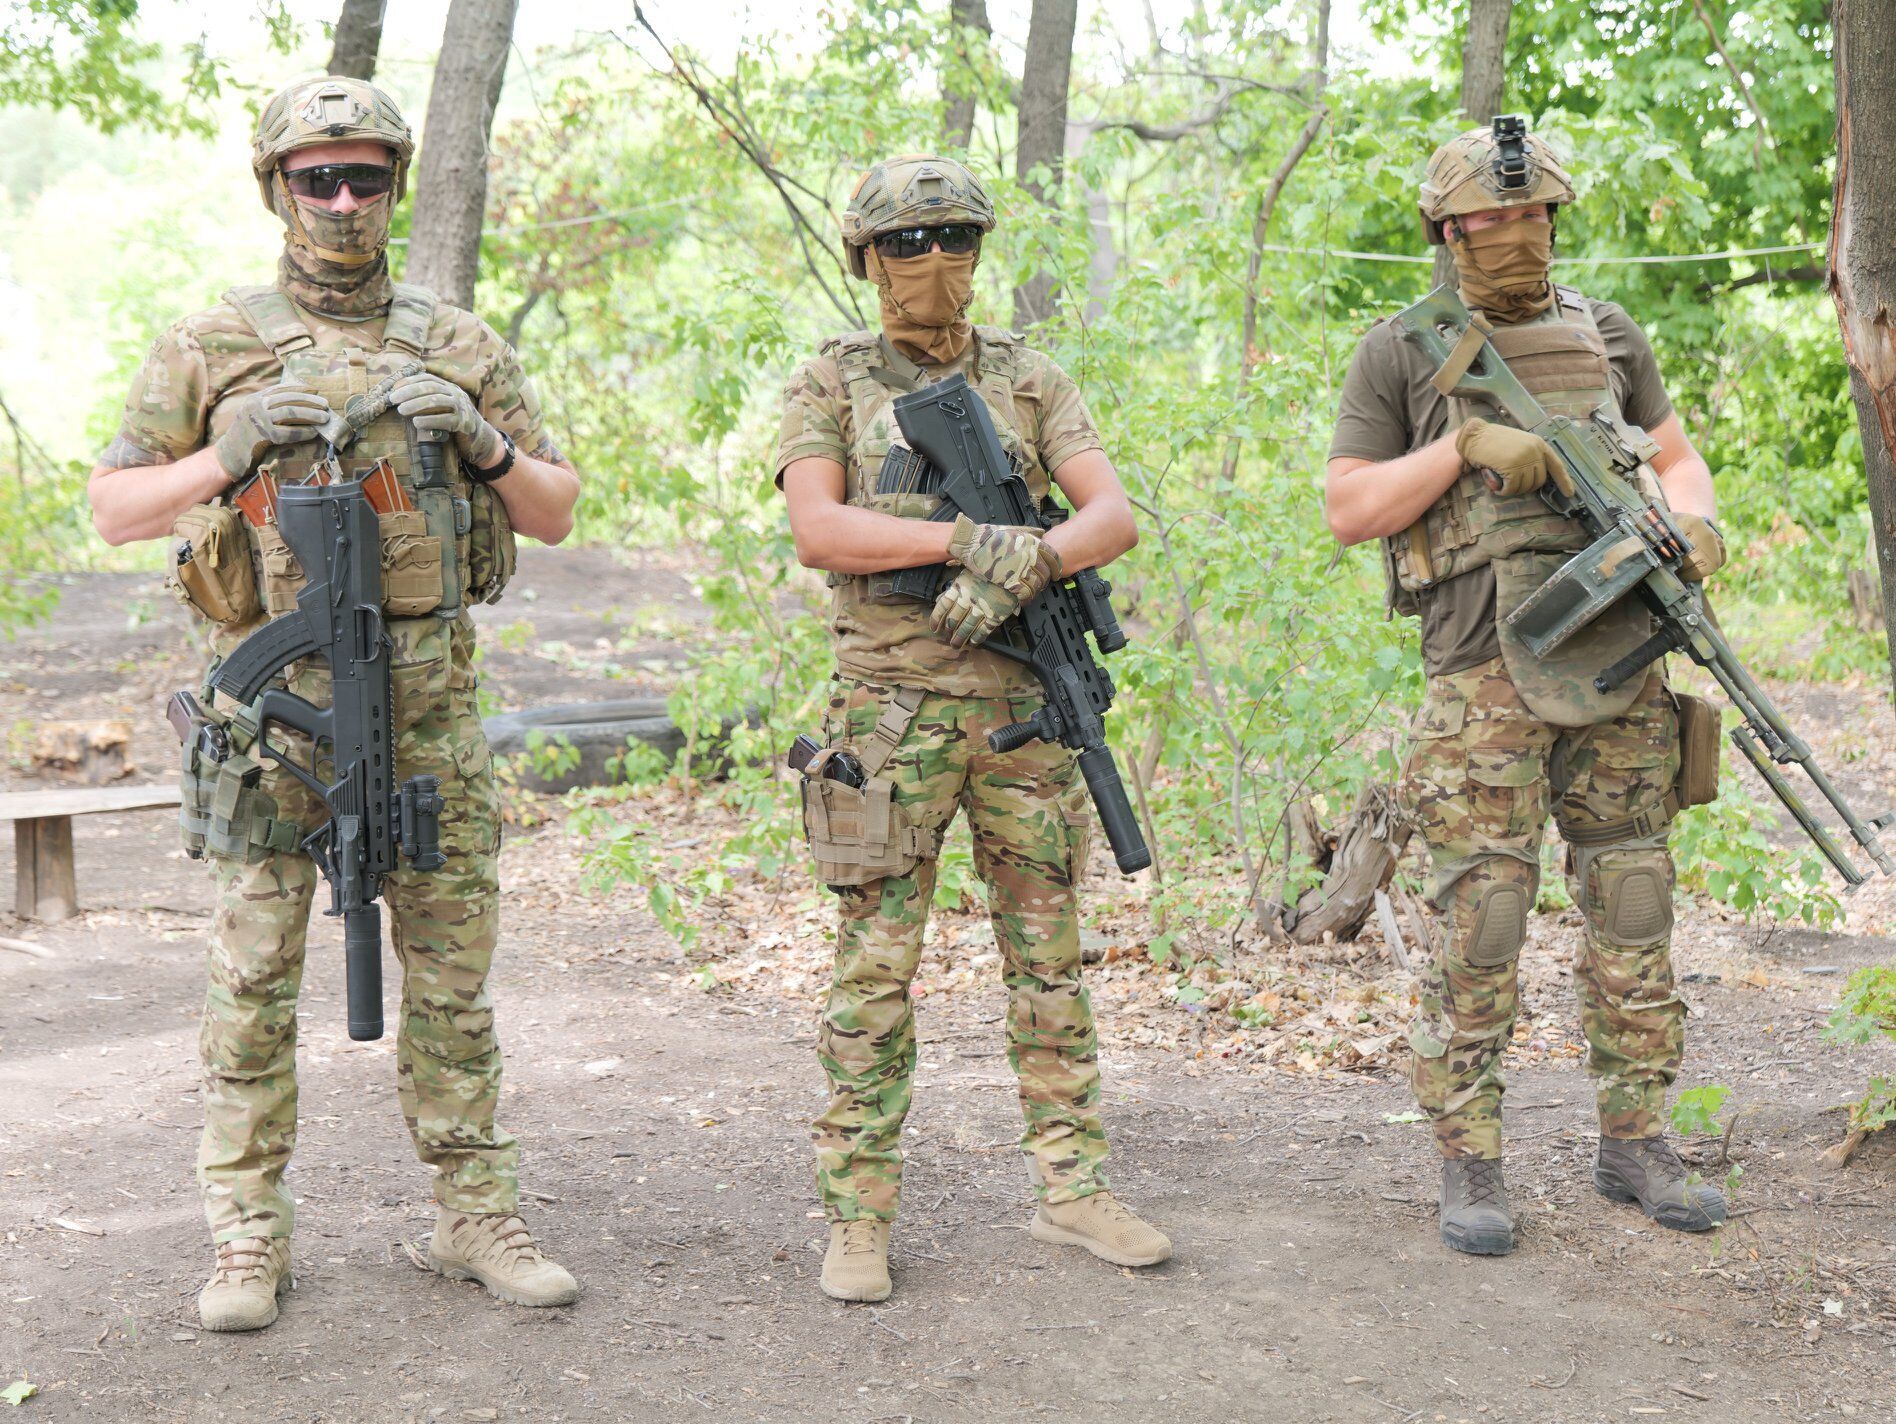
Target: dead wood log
[(91, 753), (1357, 860)]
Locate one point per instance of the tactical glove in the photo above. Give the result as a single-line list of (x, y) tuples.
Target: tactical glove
[(440, 408), (1708, 547), (1517, 462), (971, 608), (283, 414), (1012, 557)]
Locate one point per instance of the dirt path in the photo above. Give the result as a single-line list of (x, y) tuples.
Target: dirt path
[(666, 1151)]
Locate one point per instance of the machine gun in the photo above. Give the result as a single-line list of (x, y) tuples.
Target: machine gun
[(332, 531), (953, 452), (1636, 550)]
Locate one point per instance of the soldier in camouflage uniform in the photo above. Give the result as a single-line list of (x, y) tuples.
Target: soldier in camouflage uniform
[(245, 387), (915, 695), (1502, 738)]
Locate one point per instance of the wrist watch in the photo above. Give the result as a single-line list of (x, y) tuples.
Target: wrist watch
[(494, 472)]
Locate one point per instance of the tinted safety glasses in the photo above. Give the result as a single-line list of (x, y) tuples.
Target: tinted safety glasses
[(914, 241), (365, 180)]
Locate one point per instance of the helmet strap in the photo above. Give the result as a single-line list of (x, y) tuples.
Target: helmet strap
[(299, 234)]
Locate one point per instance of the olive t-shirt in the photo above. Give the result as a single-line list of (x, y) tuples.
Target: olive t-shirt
[(1388, 409)]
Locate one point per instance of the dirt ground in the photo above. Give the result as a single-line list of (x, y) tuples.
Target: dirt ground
[(666, 1161)]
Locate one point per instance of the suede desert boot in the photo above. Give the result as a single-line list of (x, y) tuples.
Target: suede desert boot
[(242, 1292), (856, 1266), (1104, 1225), (499, 1252)]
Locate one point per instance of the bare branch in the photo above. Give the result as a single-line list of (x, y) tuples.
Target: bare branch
[(1763, 136)]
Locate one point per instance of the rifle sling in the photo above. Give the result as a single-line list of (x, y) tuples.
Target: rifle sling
[(1448, 376)]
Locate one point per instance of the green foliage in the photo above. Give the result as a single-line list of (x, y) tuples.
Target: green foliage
[(1866, 1012), (1695, 1111), (550, 757)]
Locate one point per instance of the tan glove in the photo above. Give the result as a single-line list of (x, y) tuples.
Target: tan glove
[(972, 607), (283, 414), (439, 409), (1516, 461), (1008, 555), (1708, 547)]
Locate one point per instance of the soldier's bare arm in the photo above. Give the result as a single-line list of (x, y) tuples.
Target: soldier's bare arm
[(540, 494), (1365, 499), (143, 498), (1682, 471), (1102, 527), (843, 538)]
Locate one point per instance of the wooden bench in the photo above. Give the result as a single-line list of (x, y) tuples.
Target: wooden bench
[(46, 886)]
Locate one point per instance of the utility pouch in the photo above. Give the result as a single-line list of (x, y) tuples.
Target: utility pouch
[(210, 570), (1701, 748), (282, 574), (411, 564), (860, 834), (491, 551), (223, 810)]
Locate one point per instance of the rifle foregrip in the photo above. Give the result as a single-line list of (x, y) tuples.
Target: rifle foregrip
[(1115, 811), (362, 966), (1655, 647), (1014, 735)]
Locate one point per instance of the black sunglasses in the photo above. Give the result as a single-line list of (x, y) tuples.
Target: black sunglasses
[(365, 180), (914, 241)]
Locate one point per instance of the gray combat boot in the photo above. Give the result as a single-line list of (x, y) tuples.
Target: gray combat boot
[(1475, 1214), (1647, 1172)]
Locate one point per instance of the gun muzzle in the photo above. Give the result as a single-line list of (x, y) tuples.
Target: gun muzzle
[(362, 966)]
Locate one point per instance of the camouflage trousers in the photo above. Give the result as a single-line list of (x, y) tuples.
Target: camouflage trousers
[(1030, 820), (1481, 776), (443, 927)]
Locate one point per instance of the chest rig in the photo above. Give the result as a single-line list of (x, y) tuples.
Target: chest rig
[(873, 376), (455, 545), (1560, 357)]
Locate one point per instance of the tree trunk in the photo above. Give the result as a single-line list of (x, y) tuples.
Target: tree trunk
[(1863, 258), (1484, 80), (1357, 861), (1041, 144), (358, 38), (444, 251), (971, 28)]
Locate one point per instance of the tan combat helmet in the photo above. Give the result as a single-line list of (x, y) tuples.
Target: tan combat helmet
[(1500, 166), (328, 110), (915, 190)]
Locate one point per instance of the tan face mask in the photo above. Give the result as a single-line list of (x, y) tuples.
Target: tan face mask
[(1503, 269), (925, 302), (336, 263)]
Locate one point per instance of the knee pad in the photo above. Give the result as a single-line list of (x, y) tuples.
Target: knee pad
[(1496, 896), (1626, 892)]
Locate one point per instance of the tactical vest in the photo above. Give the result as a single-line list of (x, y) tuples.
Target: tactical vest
[(1560, 357), (864, 610), (468, 518)]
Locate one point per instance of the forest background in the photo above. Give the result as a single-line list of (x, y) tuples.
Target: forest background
[(1201, 209)]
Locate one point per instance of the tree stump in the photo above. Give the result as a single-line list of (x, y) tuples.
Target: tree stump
[(90, 753), (1357, 860)]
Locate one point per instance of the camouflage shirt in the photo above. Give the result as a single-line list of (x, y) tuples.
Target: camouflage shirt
[(840, 405), (185, 394)]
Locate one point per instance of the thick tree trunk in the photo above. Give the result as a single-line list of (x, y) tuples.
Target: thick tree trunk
[(1484, 80), (971, 28), (358, 38), (1041, 144), (444, 252), (1863, 258)]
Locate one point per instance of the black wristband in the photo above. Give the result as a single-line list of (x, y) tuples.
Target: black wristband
[(488, 476)]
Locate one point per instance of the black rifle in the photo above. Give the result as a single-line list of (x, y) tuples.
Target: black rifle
[(955, 454), (332, 530), (1637, 550)]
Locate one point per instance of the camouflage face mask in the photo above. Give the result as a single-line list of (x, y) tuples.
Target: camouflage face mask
[(925, 302), (1503, 269), (336, 263)]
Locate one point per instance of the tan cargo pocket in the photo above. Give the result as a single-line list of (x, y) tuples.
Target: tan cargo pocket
[(1076, 811), (1701, 748), (210, 567), (411, 564), (858, 835), (491, 551), (282, 575)]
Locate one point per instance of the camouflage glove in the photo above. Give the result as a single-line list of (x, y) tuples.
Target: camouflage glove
[(1517, 462), (1014, 558), (439, 409), (1708, 547), (283, 414), (971, 608)]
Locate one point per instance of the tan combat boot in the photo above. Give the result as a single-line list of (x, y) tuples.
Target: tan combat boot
[(242, 1292), (498, 1251), (1104, 1225), (856, 1266)]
